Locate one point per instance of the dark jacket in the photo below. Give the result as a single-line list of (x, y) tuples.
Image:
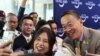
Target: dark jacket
[(20, 43), (20, 16)]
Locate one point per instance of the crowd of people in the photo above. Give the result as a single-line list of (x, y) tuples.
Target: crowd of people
[(25, 35)]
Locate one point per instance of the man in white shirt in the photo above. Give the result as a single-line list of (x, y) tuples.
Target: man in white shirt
[(23, 41), (10, 31)]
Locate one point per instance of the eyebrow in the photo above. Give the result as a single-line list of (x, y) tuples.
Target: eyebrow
[(66, 23)]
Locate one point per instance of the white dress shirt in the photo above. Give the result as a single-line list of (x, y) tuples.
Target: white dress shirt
[(28, 39)]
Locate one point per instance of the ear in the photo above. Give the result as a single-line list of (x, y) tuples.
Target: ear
[(80, 21)]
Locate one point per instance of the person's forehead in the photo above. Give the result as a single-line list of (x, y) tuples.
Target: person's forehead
[(14, 18), (28, 21), (67, 18), (43, 35), (54, 25), (64, 21)]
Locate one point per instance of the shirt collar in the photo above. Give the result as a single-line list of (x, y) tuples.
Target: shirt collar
[(28, 38)]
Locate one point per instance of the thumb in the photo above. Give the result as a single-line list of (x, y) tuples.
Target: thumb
[(6, 44)]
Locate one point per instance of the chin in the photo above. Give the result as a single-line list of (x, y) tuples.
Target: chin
[(73, 38)]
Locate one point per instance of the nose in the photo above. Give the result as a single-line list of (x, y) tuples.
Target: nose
[(29, 26), (12, 24), (40, 43), (67, 29)]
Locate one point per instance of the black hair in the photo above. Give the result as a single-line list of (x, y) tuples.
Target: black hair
[(71, 12), (33, 13), (51, 38), (24, 18), (50, 22)]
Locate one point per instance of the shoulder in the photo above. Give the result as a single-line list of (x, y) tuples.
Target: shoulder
[(20, 37), (94, 33), (89, 32)]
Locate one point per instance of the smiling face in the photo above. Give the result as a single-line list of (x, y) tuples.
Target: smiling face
[(72, 26), (27, 26), (41, 44), (54, 27)]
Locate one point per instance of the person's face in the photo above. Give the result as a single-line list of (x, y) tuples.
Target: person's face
[(54, 27), (12, 22), (41, 44), (27, 26), (72, 26), (34, 16)]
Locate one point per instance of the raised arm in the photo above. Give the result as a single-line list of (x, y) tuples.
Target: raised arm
[(21, 10)]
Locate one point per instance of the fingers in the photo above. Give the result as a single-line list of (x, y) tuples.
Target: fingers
[(77, 52), (5, 52), (6, 44)]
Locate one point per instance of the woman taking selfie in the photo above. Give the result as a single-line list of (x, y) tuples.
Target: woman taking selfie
[(43, 42)]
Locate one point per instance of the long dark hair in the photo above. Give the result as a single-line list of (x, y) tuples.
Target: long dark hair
[(51, 38)]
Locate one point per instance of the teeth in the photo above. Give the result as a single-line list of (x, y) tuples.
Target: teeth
[(71, 32), (39, 48)]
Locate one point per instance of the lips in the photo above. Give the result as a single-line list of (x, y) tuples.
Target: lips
[(40, 48), (29, 30)]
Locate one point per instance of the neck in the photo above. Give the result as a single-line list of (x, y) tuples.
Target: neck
[(81, 34), (26, 34)]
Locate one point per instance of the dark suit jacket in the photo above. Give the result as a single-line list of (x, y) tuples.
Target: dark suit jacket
[(1, 33), (1, 29), (21, 43), (93, 41)]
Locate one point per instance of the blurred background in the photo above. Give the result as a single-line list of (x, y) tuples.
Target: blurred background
[(44, 8)]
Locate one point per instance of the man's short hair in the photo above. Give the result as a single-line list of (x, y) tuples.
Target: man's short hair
[(71, 12), (26, 17), (10, 14), (33, 13)]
